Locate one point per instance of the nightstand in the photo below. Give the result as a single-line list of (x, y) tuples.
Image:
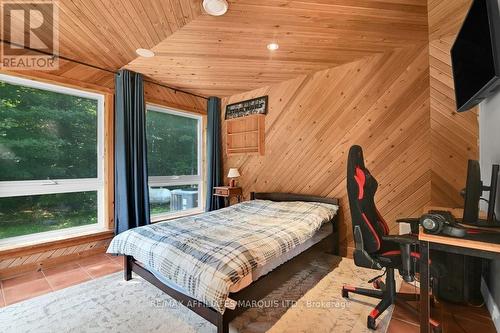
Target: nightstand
[(227, 193)]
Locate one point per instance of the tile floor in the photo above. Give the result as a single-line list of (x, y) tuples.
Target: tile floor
[(33, 284), (454, 318)]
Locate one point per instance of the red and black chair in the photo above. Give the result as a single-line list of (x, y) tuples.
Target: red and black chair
[(374, 247)]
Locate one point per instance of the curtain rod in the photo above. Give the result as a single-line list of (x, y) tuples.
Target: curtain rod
[(97, 67)]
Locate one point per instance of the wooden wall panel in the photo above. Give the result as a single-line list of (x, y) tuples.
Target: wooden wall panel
[(454, 136), (445, 17), (157, 94), (381, 103), (81, 76)]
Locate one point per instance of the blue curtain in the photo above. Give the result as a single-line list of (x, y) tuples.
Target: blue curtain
[(131, 174), (214, 154)]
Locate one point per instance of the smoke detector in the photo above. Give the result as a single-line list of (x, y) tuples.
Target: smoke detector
[(215, 7)]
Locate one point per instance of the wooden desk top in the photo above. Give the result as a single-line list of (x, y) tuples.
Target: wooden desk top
[(460, 242)]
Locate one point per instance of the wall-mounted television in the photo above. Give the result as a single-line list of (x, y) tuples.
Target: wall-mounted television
[(475, 55)]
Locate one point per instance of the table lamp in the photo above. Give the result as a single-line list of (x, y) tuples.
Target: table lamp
[(233, 173)]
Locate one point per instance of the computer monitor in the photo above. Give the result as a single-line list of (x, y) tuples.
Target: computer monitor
[(473, 192)]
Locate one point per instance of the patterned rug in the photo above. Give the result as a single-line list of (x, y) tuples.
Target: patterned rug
[(310, 301)]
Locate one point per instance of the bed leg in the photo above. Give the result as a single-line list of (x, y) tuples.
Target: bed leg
[(336, 248), (336, 236), (127, 268), (222, 325)]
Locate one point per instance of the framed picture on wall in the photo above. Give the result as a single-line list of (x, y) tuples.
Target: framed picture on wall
[(245, 108)]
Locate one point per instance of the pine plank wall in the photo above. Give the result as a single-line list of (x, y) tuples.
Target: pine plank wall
[(380, 103), (399, 106)]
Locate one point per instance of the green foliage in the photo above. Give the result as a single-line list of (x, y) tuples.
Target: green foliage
[(45, 134), (37, 213), (172, 144)]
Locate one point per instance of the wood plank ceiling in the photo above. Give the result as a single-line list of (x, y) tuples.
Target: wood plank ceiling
[(225, 55), (106, 33)]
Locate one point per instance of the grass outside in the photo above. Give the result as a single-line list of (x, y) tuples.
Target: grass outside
[(27, 215), (29, 222), (160, 208)]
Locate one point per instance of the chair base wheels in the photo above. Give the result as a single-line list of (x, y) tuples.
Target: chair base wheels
[(378, 284), (371, 324)]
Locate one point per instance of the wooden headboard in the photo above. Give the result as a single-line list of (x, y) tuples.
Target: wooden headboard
[(277, 196)]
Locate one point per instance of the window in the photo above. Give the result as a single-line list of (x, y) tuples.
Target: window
[(174, 161), (51, 160)]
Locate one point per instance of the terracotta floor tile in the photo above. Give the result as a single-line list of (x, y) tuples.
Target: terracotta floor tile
[(93, 260), (26, 290), (399, 326), (59, 279), (61, 268), (117, 259), (102, 269), (408, 288), (21, 279), (405, 314), (119, 262)]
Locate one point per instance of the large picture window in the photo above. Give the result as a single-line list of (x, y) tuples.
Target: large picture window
[(51, 159), (174, 160)]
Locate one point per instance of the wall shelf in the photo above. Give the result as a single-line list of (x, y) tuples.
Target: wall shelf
[(245, 135)]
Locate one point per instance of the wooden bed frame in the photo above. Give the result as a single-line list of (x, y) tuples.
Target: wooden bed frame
[(255, 291)]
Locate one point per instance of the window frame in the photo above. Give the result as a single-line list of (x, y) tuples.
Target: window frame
[(156, 181), (18, 188)]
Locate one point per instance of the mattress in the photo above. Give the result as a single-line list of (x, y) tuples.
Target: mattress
[(325, 231), (213, 254), (321, 234)]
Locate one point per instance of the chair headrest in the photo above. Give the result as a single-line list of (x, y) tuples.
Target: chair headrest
[(356, 158)]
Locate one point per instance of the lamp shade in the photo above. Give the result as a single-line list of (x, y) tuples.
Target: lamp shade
[(233, 173)]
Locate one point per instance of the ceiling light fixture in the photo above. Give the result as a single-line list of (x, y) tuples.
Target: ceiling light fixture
[(273, 46), (215, 7), (145, 53)]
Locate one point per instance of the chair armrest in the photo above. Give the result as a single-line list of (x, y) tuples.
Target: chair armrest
[(413, 221), (406, 242), (401, 239)]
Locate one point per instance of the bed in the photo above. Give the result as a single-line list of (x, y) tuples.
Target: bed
[(218, 263)]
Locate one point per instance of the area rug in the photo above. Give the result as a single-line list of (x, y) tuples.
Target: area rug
[(310, 301)]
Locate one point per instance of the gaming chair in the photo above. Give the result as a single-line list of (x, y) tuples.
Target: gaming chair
[(374, 247)]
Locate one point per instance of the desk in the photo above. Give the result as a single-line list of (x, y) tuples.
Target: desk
[(448, 244)]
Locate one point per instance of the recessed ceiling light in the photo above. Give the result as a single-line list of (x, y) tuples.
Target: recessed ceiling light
[(273, 46), (145, 53), (215, 7)]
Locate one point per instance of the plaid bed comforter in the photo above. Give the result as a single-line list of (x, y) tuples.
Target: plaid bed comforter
[(206, 254)]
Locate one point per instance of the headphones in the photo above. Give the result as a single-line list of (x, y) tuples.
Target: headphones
[(435, 224)]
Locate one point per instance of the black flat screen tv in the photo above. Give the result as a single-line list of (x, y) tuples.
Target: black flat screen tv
[(475, 55)]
